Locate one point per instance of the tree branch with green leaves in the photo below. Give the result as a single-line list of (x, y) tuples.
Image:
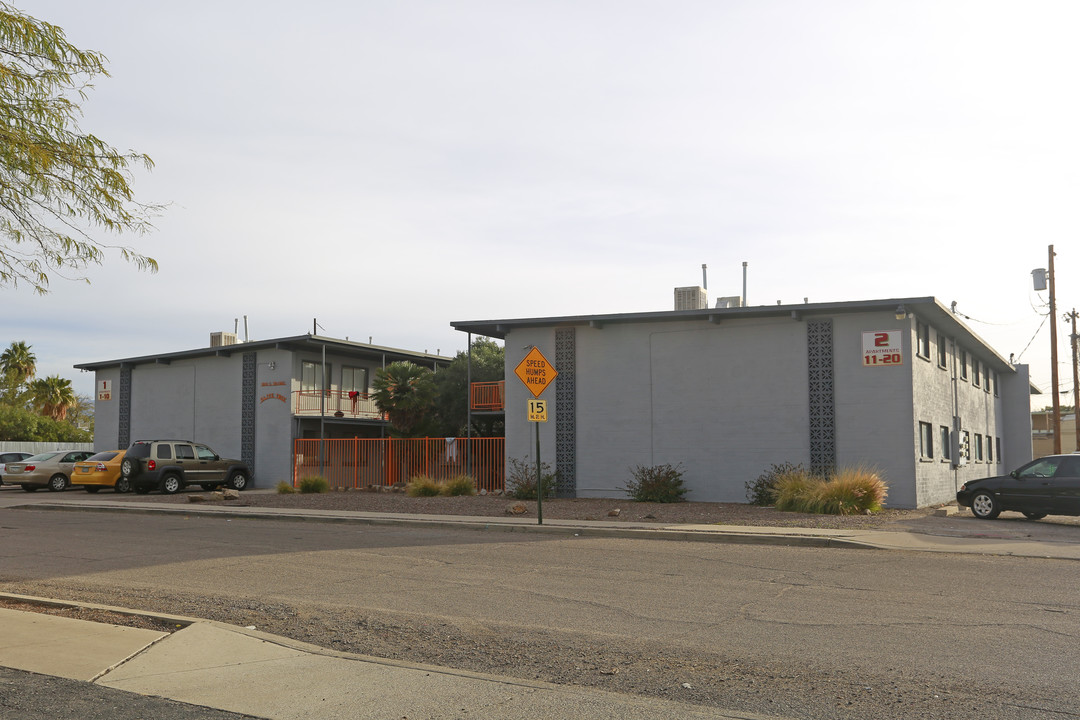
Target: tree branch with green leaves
[(59, 186)]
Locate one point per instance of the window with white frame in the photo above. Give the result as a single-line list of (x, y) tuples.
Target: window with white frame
[(978, 447), (311, 378), (946, 445), (354, 379)]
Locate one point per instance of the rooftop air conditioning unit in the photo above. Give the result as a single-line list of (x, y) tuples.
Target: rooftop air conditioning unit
[(732, 301), (691, 298), (218, 339)]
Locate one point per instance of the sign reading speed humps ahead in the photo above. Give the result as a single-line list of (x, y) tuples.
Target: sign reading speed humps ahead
[(535, 371)]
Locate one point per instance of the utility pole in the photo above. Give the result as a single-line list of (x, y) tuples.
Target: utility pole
[(1076, 377), (1054, 359)]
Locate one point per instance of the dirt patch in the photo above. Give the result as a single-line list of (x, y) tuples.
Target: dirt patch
[(91, 614)]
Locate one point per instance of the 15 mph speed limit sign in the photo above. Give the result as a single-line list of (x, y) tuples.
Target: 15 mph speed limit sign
[(537, 410)]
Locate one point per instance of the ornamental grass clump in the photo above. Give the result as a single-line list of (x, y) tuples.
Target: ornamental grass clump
[(314, 484), (422, 486), (847, 491), (285, 488), (458, 485)]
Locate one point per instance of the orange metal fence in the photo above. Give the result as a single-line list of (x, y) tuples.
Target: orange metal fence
[(332, 402), (363, 462), (488, 395)]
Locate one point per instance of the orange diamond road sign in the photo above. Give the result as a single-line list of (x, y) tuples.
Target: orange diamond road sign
[(535, 371)]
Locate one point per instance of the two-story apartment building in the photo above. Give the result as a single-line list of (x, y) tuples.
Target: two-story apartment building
[(900, 385), (247, 400)]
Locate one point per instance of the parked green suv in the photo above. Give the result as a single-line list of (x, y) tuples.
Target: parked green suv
[(171, 465)]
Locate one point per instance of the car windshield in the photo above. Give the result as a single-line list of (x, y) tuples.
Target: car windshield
[(42, 457), (103, 456)]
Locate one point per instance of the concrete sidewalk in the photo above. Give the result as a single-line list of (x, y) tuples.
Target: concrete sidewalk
[(984, 542), (219, 666)]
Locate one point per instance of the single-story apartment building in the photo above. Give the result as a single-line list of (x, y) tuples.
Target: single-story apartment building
[(900, 385), (247, 400)]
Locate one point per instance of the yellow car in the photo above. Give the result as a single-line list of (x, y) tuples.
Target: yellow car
[(101, 470)]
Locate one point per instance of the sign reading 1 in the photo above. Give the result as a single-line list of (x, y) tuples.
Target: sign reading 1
[(882, 348)]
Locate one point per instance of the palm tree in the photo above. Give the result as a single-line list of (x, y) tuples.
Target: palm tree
[(53, 396), (18, 362), (406, 393)]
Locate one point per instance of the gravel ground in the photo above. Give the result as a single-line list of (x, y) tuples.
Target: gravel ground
[(554, 509)]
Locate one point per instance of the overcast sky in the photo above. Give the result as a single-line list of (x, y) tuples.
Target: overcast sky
[(391, 167)]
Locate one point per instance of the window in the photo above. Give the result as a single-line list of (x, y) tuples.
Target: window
[(978, 447), (942, 352), (922, 331), (1043, 468), (205, 453), (926, 441), (185, 452), (989, 449), (946, 446), (996, 385), (999, 450), (164, 451), (311, 379), (986, 378), (354, 379), (963, 364), (976, 372)]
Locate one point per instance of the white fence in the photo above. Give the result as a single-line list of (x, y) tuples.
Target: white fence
[(40, 447)]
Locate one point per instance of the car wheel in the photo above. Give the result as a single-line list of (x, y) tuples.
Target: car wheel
[(57, 483), (122, 485), (128, 467), (29, 488), (237, 480), (985, 506), (91, 488), (170, 484), (141, 490), (1034, 515)]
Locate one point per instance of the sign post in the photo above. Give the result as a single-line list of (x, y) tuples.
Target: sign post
[(537, 373)]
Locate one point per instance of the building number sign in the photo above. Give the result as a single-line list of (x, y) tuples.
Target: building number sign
[(882, 348)]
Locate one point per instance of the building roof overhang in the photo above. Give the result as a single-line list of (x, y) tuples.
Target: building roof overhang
[(928, 309), (296, 343)]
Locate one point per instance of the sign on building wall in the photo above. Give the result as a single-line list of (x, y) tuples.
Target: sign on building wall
[(882, 348), (104, 390)]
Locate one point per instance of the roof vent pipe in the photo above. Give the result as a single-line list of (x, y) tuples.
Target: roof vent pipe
[(744, 284)]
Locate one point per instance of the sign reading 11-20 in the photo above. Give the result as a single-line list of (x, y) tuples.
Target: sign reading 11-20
[(882, 348)]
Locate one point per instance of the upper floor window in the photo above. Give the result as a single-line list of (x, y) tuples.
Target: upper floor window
[(963, 364), (354, 379), (311, 378), (942, 351), (976, 372), (978, 447), (946, 444), (922, 331)]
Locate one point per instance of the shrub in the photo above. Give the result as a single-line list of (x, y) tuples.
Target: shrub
[(762, 491), (459, 485), (314, 484), (656, 483), (285, 488), (422, 486), (848, 491), (521, 480)]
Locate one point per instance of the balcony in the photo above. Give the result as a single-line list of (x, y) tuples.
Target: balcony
[(336, 403), (488, 396)]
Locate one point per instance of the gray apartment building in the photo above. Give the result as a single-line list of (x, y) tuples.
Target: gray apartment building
[(901, 385), (247, 400)]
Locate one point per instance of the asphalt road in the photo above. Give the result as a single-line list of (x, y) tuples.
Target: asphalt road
[(808, 633)]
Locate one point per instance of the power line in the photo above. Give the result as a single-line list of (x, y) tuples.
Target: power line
[(1033, 337)]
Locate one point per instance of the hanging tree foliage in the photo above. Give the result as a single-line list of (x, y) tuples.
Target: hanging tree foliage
[(57, 183)]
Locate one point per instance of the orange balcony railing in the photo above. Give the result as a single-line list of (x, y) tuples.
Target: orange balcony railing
[(366, 462), (488, 396), (332, 402)]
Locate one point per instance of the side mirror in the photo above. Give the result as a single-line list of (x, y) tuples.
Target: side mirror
[(1014, 475)]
